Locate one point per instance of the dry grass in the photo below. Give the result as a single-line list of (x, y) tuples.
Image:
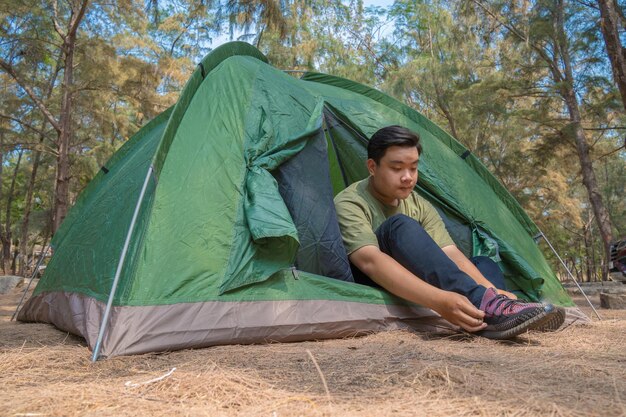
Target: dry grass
[(579, 371)]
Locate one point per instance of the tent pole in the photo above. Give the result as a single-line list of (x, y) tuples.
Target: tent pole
[(32, 277), (129, 234), (570, 274)]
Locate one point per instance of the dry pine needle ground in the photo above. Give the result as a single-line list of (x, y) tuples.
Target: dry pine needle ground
[(579, 371)]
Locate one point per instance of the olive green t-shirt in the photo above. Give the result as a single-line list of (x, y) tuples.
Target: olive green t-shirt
[(360, 214)]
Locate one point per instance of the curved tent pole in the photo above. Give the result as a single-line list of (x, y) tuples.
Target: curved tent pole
[(129, 234), (32, 277), (569, 273)]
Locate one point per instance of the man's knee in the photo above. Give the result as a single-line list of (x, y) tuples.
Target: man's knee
[(400, 222), (400, 229), (490, 270)]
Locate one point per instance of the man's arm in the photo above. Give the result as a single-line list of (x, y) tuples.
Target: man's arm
[(392, 276), (470, 269)]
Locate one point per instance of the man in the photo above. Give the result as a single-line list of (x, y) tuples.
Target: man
[(397, 240)]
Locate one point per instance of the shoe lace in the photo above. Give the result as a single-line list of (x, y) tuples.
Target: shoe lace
[(501, 300)]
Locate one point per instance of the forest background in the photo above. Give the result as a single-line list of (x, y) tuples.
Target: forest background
[(535, 89)]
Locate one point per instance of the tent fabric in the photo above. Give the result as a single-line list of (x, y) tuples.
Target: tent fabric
[(265, 316), (237, 213), (305, 186)]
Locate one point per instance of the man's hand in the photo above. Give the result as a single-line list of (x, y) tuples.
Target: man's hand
[(396, 279), (458, 310), (508, 294)]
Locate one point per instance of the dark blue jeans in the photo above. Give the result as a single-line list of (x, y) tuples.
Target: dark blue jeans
[(404, 239)]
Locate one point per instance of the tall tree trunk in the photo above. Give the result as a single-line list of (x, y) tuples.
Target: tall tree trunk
[(566, 87), (588, 174), (617, 53), (587, 243), (63, 126), (14, 260), (33, 176), (6, 234), (593, 260), (61, 193), (27, 209), (1, 172)]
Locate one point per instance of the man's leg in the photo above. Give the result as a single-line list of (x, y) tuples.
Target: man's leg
[(404, 239), (490, 270)]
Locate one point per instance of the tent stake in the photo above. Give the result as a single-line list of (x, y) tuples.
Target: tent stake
[(570, 274), (32, 277), (107, 311)]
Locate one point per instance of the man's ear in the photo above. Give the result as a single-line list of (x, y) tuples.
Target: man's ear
[(371, 166)]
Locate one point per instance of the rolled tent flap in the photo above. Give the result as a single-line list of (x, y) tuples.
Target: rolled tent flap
[(266, 213), (266, 239), (485, 245)]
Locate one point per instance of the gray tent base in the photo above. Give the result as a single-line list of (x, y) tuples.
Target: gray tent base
[(137, 330)]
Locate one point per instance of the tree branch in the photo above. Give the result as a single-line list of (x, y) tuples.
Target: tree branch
[(620, 14), (605, 128), (613, 151), (55, 20), (180, 35), (377, 60), (23, 123), (587, 4), (31, 146), (76, 19), (42, 107), (542, 53), (37, 39)]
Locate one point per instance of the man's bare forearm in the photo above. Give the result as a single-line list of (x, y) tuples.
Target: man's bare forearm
[(392, 276)]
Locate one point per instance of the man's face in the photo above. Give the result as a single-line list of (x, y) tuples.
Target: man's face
[(396, 174)]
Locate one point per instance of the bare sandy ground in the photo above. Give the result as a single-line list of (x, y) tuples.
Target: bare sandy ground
[(577, 371)]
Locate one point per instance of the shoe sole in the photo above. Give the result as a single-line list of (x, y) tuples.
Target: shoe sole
[(553, 322), (550, 319)]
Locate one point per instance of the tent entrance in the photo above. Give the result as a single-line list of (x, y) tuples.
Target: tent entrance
[(305, 185), (308, 182)]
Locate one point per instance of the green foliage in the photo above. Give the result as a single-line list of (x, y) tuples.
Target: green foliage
[(479, 71)]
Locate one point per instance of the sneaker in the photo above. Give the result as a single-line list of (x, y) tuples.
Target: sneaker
[(507, 318)]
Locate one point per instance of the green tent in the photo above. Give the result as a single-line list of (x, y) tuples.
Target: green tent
[(214, 224)]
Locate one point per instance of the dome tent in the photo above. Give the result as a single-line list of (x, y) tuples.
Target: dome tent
[(214, 224)]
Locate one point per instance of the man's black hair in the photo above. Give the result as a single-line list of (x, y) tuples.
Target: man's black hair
[(391, 136)]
